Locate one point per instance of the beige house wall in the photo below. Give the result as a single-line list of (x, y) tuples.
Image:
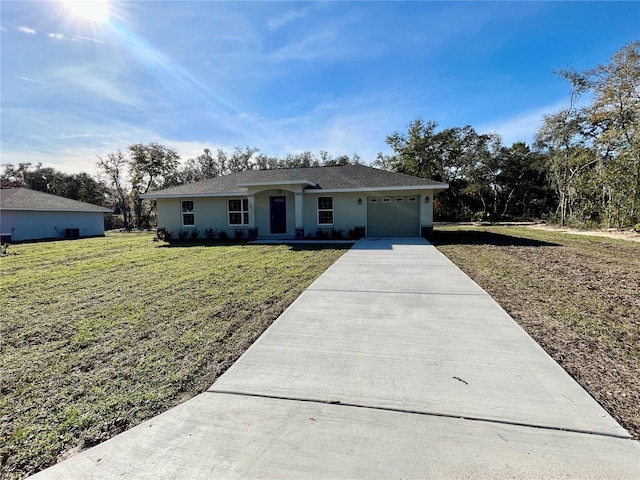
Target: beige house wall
[(348, 213)]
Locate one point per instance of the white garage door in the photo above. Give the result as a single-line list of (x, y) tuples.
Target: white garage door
[(393, 216)]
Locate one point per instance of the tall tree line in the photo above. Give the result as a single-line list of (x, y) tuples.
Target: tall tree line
[(143, 168), (124, 176), (487, 180), (77, 186), (583, 169), (593, 151), (214, 164)]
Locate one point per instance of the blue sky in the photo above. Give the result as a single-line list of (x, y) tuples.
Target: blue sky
[(286, 77)]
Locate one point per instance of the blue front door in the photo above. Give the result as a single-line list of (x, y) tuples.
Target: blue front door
[(279, 214)]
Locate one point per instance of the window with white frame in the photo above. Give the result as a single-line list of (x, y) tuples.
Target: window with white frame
[(188, 214), (238, 209), (325, 210)]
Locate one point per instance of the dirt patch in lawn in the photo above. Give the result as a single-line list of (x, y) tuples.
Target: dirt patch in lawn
[(577, 296), (628, 234)]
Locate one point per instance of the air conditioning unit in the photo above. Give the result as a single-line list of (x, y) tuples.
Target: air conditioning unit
[(71, 233)]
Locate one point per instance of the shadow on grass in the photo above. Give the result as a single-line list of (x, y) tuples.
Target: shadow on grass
[(472, 237)]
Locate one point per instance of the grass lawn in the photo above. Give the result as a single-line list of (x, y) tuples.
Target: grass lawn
[(577, 296), (100, 334)]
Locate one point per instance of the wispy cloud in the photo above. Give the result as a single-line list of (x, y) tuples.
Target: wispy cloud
[(77, 152), (521, 127), (60, 36), (100, 83), (342, 126), (312, 47), (27, 79), (280, 21), (88, 39), (25, 29), (74, 136)]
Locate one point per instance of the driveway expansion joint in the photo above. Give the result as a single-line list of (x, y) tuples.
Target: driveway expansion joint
[(337, 402)]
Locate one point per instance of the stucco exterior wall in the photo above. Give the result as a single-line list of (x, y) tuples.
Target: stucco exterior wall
[(347, 213), (35, 225), (426, 210), (208, 213)]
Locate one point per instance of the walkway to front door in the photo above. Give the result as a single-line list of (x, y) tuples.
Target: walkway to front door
[(278, 214)]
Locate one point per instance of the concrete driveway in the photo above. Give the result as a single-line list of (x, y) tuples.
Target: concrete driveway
[(393, 364)]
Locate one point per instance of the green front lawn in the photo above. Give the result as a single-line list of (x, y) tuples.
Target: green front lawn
[(100, 334)]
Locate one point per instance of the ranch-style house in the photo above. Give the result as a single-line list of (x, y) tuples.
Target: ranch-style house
[(296, 203)]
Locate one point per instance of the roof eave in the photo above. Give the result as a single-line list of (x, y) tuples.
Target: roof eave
[(438, 187), (152, 196), (26, 209)]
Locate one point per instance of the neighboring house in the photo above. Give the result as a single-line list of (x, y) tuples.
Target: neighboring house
[(31, 215), (300, 202)]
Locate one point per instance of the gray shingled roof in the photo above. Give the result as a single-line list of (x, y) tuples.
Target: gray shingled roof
[(26, 199), (330, 178)]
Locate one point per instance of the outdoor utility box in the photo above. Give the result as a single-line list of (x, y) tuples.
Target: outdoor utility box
[(71, 233), (426, 232), (5, 238)]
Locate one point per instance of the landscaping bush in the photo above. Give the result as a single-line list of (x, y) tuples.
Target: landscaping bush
[(336, 234), (322, 234), (354, 233), (210, 233), (164, 234)]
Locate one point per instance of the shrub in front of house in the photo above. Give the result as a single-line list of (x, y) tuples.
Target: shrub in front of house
[(210, 233), (354, 233), (322, 234), (336, 234)]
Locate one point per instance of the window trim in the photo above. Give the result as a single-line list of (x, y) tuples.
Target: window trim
[(318, 209), (242, 212), (184, 212)]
